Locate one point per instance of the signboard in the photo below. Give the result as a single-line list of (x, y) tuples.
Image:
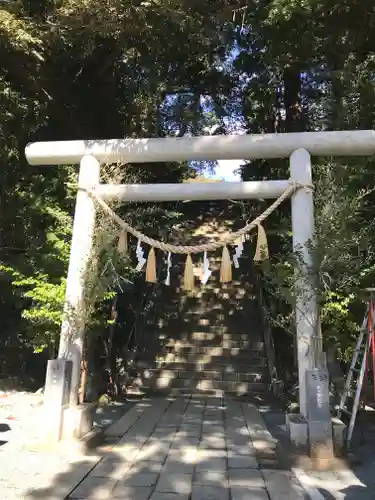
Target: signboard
[(318, 413)]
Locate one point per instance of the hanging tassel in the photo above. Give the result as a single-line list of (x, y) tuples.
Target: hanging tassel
[(151, 267), (122, 245), (261, 252), (226, 266), (189, 274)]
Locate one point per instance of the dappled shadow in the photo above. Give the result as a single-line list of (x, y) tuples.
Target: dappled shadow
[(4, 428), (200, 445), (355, 493), (106, 414), (346, 478), (209, 340)]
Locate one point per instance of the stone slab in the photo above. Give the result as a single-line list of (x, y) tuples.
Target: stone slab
[(168, 496), (283, 485), (204, 474), (147, 466), (141, 479), (209, 493), (122, 492), (238, 493), (110, 469), (178, 467), (95, 488), (217, 479), (245, 478), (212, 464), (175, 483), (260, 435), (119, 428), (242, 462)]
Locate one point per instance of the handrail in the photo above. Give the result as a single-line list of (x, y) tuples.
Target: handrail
[(146, 298), (267, 333)]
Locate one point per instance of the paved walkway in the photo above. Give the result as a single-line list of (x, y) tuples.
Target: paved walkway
[(188, 448)]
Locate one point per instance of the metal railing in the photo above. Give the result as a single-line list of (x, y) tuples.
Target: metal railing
[(267, 333)]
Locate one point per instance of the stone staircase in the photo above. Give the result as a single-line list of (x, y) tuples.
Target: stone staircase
[(207, 341)]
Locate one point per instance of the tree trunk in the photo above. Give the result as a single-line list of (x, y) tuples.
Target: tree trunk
[(292, 98), (112, 352)]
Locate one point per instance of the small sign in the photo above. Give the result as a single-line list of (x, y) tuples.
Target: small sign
[(58, 381), (317, 394), (318, 414)]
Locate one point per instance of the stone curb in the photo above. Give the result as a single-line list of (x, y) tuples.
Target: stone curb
[(91, 440)]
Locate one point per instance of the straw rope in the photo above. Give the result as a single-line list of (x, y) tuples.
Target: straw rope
[(206, 247)]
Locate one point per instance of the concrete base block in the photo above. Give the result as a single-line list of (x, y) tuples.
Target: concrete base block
[(297, 426), (78, 420), (339, 435), (320, 443)]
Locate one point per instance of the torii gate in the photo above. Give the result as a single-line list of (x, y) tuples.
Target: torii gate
[(298, 147)]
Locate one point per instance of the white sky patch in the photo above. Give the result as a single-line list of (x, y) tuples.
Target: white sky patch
[(225, 170)]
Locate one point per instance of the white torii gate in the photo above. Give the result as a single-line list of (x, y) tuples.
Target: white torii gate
[(91, 154)]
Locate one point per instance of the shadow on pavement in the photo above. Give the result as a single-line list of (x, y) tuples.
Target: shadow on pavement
[(174, 450)]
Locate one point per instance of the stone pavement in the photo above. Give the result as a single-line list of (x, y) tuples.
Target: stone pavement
[(342, 484), (188, 448)]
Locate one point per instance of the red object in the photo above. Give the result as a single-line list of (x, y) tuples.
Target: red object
[(373, 347)]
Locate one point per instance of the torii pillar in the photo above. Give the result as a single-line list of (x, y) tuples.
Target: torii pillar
[(297, 146)]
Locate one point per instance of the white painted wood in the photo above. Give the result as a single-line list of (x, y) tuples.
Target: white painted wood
[(192, 191), (224, 147), (307, 321), (72, 329)]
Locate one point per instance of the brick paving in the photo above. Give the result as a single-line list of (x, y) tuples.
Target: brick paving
[(192, 448)]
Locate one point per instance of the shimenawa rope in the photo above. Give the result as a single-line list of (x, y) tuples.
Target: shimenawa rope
[(206, 247)]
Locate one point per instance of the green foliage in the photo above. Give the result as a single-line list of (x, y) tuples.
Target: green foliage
[(100, 69)]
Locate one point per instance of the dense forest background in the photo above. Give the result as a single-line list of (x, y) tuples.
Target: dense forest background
[(74, 69)]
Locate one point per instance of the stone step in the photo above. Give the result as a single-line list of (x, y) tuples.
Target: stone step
[(234, 336), (188, 342), (212, 374), (213, 347), (227, 298), (254, 393), (235, 330), (200, 385), (252, 365), (214, 322), (215, 296), (241, 357)]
